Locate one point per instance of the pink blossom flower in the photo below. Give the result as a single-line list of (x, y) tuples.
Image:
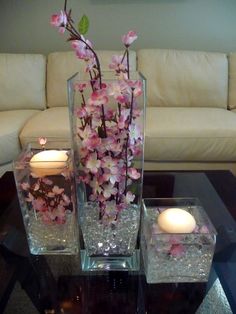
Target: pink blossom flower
[(118, 63), (54, 216), (81, 112), (80, 87), (136, 87), (46, 181), (92, 110), (122, 120), (109, 113), (106, 144), (113, 177), (46, 218), (98, 98), (110, 213), (90, 64), (59, 21), (93, 164), (96, 185), (92, 142), (42, 141), (133, 173), (116, 148), (36, 187), (86, 132), (56, 190), (84, 178), (110, 163), (136, 150), (101, 198), (39, 204), (113, 131), (66, 200), (129, 197), (177, 250), (81, 48), (59, 214), (120, 91), (83, 152), (129, 38), (134, 132), (109, 190), (30, 198)]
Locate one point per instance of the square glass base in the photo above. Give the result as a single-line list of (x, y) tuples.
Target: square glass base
[(110, 263), (176, 257)]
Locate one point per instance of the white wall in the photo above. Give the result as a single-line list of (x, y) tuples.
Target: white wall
[(183, 24)]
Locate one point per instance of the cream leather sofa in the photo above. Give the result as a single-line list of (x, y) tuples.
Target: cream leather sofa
[(191, 105)]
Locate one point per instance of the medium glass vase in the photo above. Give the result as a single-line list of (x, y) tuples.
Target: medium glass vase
[(176, 257), (107, 128), (45, 185)]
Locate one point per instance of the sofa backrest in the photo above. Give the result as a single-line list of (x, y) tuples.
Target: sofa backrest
[(178, 78), (62, 65), (22, 81)]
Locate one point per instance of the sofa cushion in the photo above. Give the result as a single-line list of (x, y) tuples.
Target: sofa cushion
[(52, 123), (62, 65), (11, 122), (22, 81), (184, 78), (190, 134)]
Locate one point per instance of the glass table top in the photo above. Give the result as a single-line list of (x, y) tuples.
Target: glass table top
[(56, 284)]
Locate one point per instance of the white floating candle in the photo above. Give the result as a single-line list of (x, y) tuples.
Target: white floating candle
[(176, 220), (48, 162)]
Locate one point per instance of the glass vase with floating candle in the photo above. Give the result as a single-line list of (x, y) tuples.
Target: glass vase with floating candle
[(45, 186), (177, 240)]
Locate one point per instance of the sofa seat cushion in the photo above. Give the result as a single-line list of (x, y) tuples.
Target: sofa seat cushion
[(11, 123), (190, 134), (52, 123)]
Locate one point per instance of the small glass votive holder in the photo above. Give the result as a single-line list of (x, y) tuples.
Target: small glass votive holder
[(176, 257), (46, 192)]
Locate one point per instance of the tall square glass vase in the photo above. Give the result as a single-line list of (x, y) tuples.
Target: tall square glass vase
[(107, 127), (45, 186)]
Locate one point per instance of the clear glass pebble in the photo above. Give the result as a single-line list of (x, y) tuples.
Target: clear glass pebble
[(114, 239), (52, 239)]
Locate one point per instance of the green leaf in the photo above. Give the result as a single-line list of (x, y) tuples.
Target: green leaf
[(83, 25)]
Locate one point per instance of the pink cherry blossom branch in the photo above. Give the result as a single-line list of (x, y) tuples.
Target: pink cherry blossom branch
[(126, 164), (76, 35), (65, 5), (131, 106), (127, 62), (104, 122)]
